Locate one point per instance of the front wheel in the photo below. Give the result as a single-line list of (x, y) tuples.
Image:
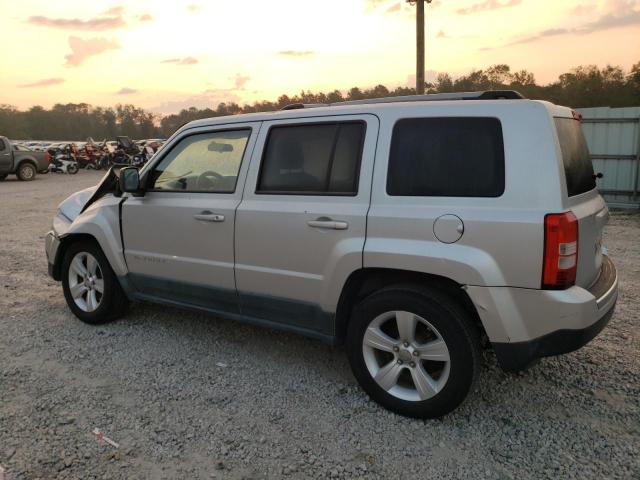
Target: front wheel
[(414, 350), (90, 286)]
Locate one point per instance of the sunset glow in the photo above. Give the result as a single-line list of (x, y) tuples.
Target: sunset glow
[(168, 55)]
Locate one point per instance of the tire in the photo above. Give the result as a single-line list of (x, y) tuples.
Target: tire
[(26, 172), (444, 333), (3, 176), (72, 168), (90, 305)]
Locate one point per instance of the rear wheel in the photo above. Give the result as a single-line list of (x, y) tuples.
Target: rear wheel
[(26, 172), (90, 287), (415, 351)]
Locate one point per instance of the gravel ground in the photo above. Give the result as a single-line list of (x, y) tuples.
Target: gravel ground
[(190, 396)]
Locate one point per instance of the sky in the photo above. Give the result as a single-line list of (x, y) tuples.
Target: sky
[(167, 55)]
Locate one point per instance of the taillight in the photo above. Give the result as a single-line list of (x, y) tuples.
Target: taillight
[(560, 261), (47, 157)]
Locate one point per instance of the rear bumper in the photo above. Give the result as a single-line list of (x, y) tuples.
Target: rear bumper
[(518, 356), (524, 325)]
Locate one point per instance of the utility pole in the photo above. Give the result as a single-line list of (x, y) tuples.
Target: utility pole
[(419, 44)]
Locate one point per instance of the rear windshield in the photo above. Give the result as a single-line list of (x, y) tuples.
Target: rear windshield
[(578, 169)]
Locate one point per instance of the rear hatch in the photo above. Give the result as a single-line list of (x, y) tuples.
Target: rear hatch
[(583, 198)]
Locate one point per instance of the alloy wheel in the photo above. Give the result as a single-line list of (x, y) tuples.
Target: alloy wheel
[(406, 355), (86, 282)]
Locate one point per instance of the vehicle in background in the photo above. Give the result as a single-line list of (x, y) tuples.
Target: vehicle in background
[(20, 148), (154, 144), (24, 164), (122, 154), (63, 164), (39, 146), (89, 156), (63, 160)]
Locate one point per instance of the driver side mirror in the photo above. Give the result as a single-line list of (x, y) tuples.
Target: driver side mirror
[(129, 180)]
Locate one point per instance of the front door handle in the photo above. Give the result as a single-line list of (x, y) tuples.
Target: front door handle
[(208, 216), (328, 224)]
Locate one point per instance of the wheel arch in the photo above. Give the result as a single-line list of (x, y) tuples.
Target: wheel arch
[(65, 242), (366, 281), (29, 160)]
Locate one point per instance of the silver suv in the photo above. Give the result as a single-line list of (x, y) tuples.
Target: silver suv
[(414, 229)]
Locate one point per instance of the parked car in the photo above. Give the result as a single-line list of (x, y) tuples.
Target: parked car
[(21, 161), (411, 229)]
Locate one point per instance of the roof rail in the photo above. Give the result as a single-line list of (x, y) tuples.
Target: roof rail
[(296, 106), (432, 97)]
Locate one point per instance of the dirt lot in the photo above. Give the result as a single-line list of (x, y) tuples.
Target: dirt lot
[(190, 396)]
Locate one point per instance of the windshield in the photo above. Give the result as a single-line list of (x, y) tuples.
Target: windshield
[(578, 169)]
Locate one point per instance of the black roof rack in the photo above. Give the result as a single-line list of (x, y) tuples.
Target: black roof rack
[(296, 106), (431, 97)]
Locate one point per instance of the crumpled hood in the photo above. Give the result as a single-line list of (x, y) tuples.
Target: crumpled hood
[(72, 205)]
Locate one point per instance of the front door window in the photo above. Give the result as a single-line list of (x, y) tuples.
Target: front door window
[(206, 162)]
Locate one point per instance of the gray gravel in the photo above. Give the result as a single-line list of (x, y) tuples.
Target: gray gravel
[(283, 405)]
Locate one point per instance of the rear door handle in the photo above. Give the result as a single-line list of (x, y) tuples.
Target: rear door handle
[(207, 216), (328, 224)]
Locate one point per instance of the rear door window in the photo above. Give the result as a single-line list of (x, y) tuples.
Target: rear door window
[(315, 159), (446, 157), (578, 169)]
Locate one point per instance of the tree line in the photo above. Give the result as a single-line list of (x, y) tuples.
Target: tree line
[(584, 86)]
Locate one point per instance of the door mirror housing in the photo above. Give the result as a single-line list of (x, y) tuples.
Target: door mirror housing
[(129, 181)]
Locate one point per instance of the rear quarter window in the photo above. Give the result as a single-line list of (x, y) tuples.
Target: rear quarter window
[(578, 169), (447, 157)]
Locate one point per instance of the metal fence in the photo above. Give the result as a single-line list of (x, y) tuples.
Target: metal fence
[(613, 135)]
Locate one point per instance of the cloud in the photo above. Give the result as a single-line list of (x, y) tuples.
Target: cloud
[(582, 8), (117, 10), (241, 80), (194, 7), (98, 23), (181, 61), (47, 82), (81, 49), (145, 18), (612, 20), (126, 91), (442, 34), (623, 18), (614, 14), (296, 53), (487, 5), (396, 7)]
